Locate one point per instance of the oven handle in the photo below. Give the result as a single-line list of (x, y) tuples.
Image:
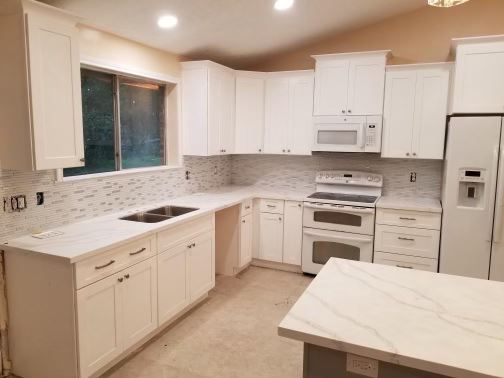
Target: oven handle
[(341, 209), (358, 240)]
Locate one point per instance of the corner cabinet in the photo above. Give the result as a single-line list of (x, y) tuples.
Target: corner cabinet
[(416, 105), (40, 101), (208, 108), (288, 113), (350, 84), (479, 75)]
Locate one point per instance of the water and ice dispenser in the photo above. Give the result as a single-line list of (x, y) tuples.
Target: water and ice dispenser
[(472, 187)]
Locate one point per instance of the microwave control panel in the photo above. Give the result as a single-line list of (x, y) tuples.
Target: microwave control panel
[(373, 134)]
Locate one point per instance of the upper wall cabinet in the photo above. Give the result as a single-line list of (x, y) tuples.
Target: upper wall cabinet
[(208, 103), (40, 98), (350, 84), (288, 125), (479, 75), (249, 132), (416, 105)]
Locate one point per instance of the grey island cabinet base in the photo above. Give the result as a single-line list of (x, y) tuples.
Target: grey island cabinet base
[(320, 362)]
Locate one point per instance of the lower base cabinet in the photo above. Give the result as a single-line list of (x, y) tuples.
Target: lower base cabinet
[(201, 266), (246, 229), (115, 313), (271, 237)]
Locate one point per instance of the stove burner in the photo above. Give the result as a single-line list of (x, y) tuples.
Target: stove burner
[(343, 197)]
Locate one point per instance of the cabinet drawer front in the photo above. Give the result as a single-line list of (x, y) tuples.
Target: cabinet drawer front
[(246, 208), (407, 241), (178, 234), (271, 206), (406, 262), (406, 218), (109, 262)]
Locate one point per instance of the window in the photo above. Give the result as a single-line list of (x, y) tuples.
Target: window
[(124, 123)]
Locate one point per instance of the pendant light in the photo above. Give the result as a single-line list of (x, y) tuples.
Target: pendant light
[(445, 3)]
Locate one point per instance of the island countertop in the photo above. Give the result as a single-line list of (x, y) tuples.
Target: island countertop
[(439, 323)]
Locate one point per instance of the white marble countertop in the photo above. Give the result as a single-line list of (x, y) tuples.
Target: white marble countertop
[(434, 322), (84, 239), (432, 205)]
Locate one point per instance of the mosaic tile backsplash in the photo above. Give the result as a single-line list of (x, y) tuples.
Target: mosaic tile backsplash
[(69, 202)]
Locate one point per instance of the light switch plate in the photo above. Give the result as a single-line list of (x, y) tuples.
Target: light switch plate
[(362, 365)]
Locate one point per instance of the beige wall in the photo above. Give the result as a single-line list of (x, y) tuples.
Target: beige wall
[(420, 36), (116, 50)]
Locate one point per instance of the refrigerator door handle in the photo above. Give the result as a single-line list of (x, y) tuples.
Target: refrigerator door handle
[(499, 206), (491, 203)]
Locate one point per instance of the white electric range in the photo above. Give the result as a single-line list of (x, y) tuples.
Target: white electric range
[(339, 218)]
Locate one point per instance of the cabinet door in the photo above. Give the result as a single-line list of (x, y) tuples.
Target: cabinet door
[(331, 87), (215, 107), (366, 86), (99, 316), (399, 113), (479, 78), (227, 111), (293, 232), (300, 136), (245, 240), (276, 115), (55, 93), (270, 237), (249, 115), (201, 266), (431, 108), (139, 301), (173, 292), (195, 111)]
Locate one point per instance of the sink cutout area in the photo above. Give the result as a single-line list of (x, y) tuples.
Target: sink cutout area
[(159, 214)]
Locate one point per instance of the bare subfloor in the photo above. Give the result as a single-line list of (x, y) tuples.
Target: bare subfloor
[(232, 334)]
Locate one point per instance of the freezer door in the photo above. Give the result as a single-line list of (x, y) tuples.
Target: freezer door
[(469, 185), (497, 258)]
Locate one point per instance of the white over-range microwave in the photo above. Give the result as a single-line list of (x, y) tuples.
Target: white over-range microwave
[(348, 133)]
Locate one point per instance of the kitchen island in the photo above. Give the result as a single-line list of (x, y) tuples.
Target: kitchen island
[(409, 323)]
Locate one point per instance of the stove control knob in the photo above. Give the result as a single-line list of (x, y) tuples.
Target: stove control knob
[(369, 178), (377, 179)]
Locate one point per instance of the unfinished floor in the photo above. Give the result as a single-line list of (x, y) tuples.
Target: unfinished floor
[(233, 334)]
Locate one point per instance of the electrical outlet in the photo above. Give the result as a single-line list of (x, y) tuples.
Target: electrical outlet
[(362, 365), (412, 177), (14, 203)]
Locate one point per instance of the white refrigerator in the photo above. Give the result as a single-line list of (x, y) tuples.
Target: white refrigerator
[(472, 236)]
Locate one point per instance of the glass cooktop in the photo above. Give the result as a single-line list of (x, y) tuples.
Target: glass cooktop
[(343, 197)]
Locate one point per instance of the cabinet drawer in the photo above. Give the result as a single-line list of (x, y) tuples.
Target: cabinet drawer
[(407, 262), (246, 207), (407, 218), (407, 241), (109, 262), (178, 234), (271, 206)]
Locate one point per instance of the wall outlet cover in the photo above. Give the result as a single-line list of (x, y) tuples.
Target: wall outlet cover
[(367, 367)]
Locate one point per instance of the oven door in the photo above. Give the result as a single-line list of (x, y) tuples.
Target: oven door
[(339, 134), (355, 219), (320, 245)]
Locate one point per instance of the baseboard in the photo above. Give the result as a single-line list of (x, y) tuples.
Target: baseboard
[(276, 266)]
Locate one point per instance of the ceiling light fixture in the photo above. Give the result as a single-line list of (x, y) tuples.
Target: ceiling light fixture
[(445, 3), (283, 4), (167, 22)]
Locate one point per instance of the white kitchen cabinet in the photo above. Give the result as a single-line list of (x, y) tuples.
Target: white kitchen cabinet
[(293, 232), (249, 117), (288, 113), (40, 101), (208, 108), (479, 78), (416, 105), (201, 265), (349, 84), (173, 276), (245, 240), (271, 237)]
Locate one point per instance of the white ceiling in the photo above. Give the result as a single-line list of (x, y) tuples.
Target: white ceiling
[(233, 32)]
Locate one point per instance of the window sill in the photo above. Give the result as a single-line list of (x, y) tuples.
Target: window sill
[(61, 178)]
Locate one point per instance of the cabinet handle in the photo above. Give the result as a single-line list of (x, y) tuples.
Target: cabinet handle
[(279, 219), (405, 239), (189, 246), (343, 111), (288, 151), (120, 279), (408, 219), (283, 150), (127, 276), (247, 207), (82, 160), (98, 267), (407, 153), (414, 153), (137, 252), (243, 221), (194, 244), (260, 149), (404, 266), (299, 205), (271, 205), (349, 111)]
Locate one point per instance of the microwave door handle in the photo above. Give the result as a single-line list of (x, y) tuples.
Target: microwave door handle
[(353, 239)]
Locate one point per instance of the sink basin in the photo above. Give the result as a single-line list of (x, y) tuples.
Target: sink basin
[(146, 218), (172, 211)]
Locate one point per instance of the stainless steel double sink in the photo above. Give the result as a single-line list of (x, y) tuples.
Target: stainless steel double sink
[(159, 214)]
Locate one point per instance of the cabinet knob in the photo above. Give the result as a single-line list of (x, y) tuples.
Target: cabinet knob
[(120, 279), (283, 150), (280, 219), (288, 151), (82, 160), (127, 276), (260, 149), (349, 111), (299, 205), (407, 153), (243, 221), (414, 153), (343, 111)]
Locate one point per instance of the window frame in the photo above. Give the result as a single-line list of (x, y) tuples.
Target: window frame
[(172, 159)]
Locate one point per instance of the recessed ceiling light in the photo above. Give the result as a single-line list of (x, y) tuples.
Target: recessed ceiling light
[(283, 4), (167, 22)]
